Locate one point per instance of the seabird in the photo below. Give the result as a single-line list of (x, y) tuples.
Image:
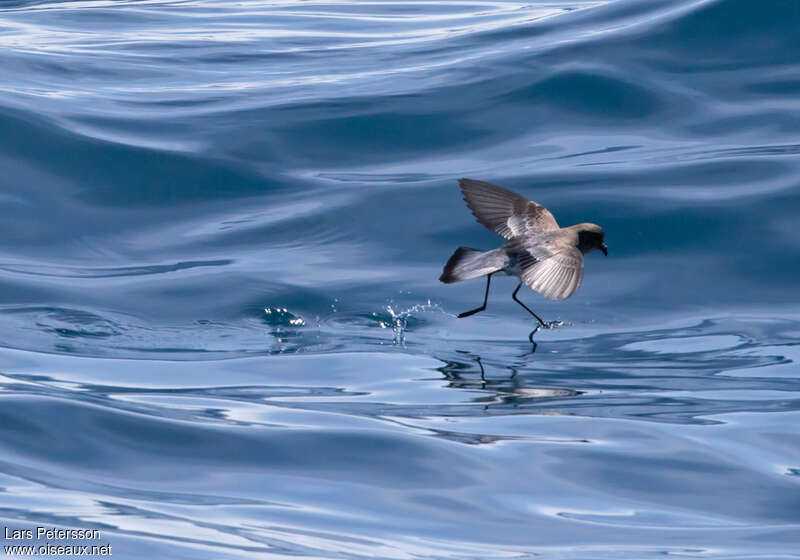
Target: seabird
[(544, 256)]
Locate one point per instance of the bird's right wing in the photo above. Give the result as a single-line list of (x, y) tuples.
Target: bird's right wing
[(505, 212), (556, 277)]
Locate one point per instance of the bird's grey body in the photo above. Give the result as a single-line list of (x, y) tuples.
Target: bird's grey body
[(546, 257)]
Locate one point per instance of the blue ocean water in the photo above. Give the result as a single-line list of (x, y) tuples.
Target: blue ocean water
[(221, 329)]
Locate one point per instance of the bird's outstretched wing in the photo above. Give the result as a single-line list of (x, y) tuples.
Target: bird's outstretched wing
[(505, 212), (556, 277)]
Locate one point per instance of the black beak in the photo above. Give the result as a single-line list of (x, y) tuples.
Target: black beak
[(604, 249)]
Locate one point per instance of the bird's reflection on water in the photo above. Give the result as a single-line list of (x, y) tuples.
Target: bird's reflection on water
[(507, 389)]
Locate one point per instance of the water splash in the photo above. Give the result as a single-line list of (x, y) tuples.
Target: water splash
[(399, 319), (282, 317)]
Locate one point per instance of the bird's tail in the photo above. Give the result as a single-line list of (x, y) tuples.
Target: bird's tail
[(469, 263)]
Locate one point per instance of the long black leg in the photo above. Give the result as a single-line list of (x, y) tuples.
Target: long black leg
[(542, 323), (485, 298)]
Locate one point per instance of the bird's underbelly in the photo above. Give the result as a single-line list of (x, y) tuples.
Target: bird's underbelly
[(513, 267)]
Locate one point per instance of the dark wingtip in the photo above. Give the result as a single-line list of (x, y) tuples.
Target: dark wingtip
[(463, 184), (464, 181)]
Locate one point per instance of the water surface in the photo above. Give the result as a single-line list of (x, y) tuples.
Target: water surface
[(221, 330)]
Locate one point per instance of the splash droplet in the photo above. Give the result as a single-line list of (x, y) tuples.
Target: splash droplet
[(282, 317)]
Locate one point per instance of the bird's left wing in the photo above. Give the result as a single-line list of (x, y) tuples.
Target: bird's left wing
[(557, 276), (504, 211)]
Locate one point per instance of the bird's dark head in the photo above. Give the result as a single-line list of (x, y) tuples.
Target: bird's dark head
[(591, 237)]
